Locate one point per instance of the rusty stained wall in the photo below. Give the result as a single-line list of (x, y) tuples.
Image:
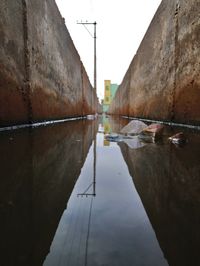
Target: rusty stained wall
[(12, 66), (41, 74), (90, 102), (163, 80), (120, 104)]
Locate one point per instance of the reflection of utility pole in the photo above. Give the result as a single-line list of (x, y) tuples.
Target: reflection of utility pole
[(95, 50), (93, 194), (93, 184), (94, 168)]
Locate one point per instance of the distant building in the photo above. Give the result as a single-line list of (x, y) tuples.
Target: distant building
[(109, 94)]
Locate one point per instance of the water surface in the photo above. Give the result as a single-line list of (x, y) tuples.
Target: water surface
[(110, 227), (70, 197)]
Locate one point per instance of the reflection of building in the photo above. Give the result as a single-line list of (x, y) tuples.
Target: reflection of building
[(109, 93), (107, 130)]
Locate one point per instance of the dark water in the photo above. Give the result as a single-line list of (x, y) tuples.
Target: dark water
[(69, 197)]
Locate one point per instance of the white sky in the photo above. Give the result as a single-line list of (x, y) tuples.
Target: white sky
[(121, 25)]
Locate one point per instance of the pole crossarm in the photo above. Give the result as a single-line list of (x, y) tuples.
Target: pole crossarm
[(87, 23)]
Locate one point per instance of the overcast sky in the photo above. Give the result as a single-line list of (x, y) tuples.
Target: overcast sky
[(121, 25)]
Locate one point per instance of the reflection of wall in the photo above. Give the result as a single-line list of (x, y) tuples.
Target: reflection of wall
[(117, 123), (168, 181), (38, 171)]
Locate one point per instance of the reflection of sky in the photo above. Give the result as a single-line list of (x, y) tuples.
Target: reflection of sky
[(120, 232)]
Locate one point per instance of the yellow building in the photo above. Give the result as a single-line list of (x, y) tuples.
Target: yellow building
[(107, 130), (107, 92)]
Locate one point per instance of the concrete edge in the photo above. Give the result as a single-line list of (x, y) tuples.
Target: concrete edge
[(163, 122)]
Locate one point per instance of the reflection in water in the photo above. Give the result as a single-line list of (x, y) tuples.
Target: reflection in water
[(167, 179), (66, 199), (38, 171), (107, 129), (109, 229)]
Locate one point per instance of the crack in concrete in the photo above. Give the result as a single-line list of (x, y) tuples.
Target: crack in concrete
[(27, 87), (176, 31)]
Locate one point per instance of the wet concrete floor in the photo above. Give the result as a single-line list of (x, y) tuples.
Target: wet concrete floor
[(70, 197)]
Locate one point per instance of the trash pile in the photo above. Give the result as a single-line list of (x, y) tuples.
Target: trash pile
[(137, 134)]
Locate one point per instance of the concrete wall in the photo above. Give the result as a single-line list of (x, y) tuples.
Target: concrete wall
[(41, 75), (163, 79), (120, 103)]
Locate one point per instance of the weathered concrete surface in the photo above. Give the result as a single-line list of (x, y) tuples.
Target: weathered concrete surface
[(41, 75), (12, 66), (120, 104), (163, 80), (39, 169), (170, 195), (90, 102)]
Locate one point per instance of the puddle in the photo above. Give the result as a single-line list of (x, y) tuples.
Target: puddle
[(71, 197)]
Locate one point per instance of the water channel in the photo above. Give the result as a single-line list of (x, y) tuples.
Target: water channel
[(70, 197)]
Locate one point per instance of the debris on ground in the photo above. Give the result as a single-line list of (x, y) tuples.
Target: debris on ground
[(154, 130), (146, 137), (133, 128), (113, 137), (134, 142), (137, 134), (178, 138)]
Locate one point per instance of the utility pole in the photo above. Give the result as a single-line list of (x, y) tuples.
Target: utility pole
[(95, 57), (95, 49)]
